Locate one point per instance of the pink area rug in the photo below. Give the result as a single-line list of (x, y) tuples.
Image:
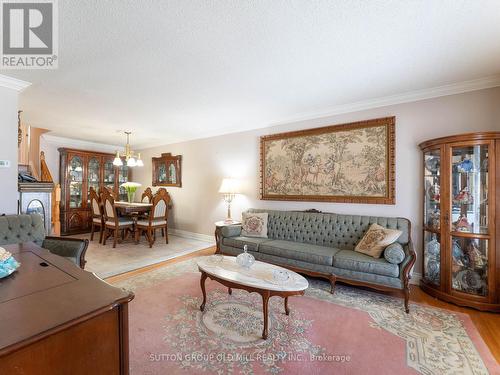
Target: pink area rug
[(352, 332)]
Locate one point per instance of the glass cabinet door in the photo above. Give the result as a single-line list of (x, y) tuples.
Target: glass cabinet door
[(109, 175), (122, 178), (432, 216), (93, 171), (469, 224), (75, 182)]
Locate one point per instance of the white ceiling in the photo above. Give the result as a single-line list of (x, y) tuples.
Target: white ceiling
[(172, 70)]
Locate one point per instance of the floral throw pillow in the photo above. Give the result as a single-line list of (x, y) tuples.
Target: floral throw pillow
[(254, 224), (376, 240)]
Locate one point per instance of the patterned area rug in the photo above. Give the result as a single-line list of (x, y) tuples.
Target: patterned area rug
[(351, 332)]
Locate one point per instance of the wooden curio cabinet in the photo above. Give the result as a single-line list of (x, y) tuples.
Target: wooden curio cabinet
[(462, 219), (79, 171)]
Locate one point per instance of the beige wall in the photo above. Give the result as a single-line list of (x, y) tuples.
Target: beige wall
[(8, 150), (197, 205)]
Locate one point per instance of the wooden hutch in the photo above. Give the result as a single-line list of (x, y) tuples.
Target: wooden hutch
[(461, 226), (79, 171)]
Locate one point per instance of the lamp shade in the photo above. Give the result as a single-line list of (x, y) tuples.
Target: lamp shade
[(117, 162), (229, 186)]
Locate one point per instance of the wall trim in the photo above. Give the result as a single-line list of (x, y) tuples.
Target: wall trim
[(192, 235), (406, 97), (359, 106), (415, 278), (79, 144), (13, 83)]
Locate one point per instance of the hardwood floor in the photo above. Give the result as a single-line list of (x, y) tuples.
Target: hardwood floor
[(488, 324)]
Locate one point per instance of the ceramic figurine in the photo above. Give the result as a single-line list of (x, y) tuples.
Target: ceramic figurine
[(462, 224), (433, 273), (433, 193), (433, 247), (476, 258), (457, 251), (463, 197), (465, 165), (432, 164), (434, 219)]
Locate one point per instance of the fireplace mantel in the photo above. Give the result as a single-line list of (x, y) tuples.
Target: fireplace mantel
[(36, 197)]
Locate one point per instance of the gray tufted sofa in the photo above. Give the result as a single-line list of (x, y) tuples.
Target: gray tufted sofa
[(322, 245), (29, 228)]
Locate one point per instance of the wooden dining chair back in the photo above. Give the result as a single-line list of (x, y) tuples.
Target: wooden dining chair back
[(157, 218), (147, 196), (97, 214), (113, 223)]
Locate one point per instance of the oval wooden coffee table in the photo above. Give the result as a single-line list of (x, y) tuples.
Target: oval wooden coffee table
[(259, 279)]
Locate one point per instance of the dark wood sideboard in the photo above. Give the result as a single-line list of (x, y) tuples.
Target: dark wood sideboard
[(58, 319)]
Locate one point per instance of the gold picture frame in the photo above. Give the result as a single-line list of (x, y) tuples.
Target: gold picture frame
[(311, 165)]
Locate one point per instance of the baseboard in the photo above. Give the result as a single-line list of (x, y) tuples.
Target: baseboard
[(415, 278), (192, 235)]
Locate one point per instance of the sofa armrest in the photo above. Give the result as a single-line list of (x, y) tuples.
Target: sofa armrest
[(406, 267), (71, 248), (231, 231)]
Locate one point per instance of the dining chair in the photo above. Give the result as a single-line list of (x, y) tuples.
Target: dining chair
[(157, 219), (97, 215), (113, 223), (147, 196), (169, 200)]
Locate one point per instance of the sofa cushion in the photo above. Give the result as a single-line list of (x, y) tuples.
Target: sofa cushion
[(300, 251), (376, 239), (254, 224), (394, 253), (240, 241), (354, 261)]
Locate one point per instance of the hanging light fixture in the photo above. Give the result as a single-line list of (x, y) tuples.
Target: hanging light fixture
[(130, 157)]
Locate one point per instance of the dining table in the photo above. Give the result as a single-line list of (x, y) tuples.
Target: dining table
[(128, 208)]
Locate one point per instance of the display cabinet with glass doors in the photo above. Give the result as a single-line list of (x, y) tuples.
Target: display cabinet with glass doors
[(461, 212), (80, 171)]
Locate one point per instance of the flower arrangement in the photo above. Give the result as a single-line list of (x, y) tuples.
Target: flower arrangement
[(130, 188)]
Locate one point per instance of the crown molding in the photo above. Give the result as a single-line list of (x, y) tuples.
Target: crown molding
[(79, 144), (407, 97), (13, 83)]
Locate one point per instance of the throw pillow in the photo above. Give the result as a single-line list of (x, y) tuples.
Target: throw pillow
[(254, 224), (376, 239), (394, 253)]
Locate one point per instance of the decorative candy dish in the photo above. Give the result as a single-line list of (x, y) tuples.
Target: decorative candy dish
[(7, 263)]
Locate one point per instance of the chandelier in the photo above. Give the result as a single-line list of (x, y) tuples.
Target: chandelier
[(130, 156)]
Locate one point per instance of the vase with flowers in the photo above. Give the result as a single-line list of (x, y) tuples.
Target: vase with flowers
[(130, 188)]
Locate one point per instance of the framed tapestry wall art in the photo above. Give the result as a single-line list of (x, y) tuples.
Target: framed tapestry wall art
[(349, 163)]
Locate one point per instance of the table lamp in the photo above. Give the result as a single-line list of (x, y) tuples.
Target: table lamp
[(229, 188)]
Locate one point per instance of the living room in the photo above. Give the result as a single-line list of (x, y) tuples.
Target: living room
[(346, 156)]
